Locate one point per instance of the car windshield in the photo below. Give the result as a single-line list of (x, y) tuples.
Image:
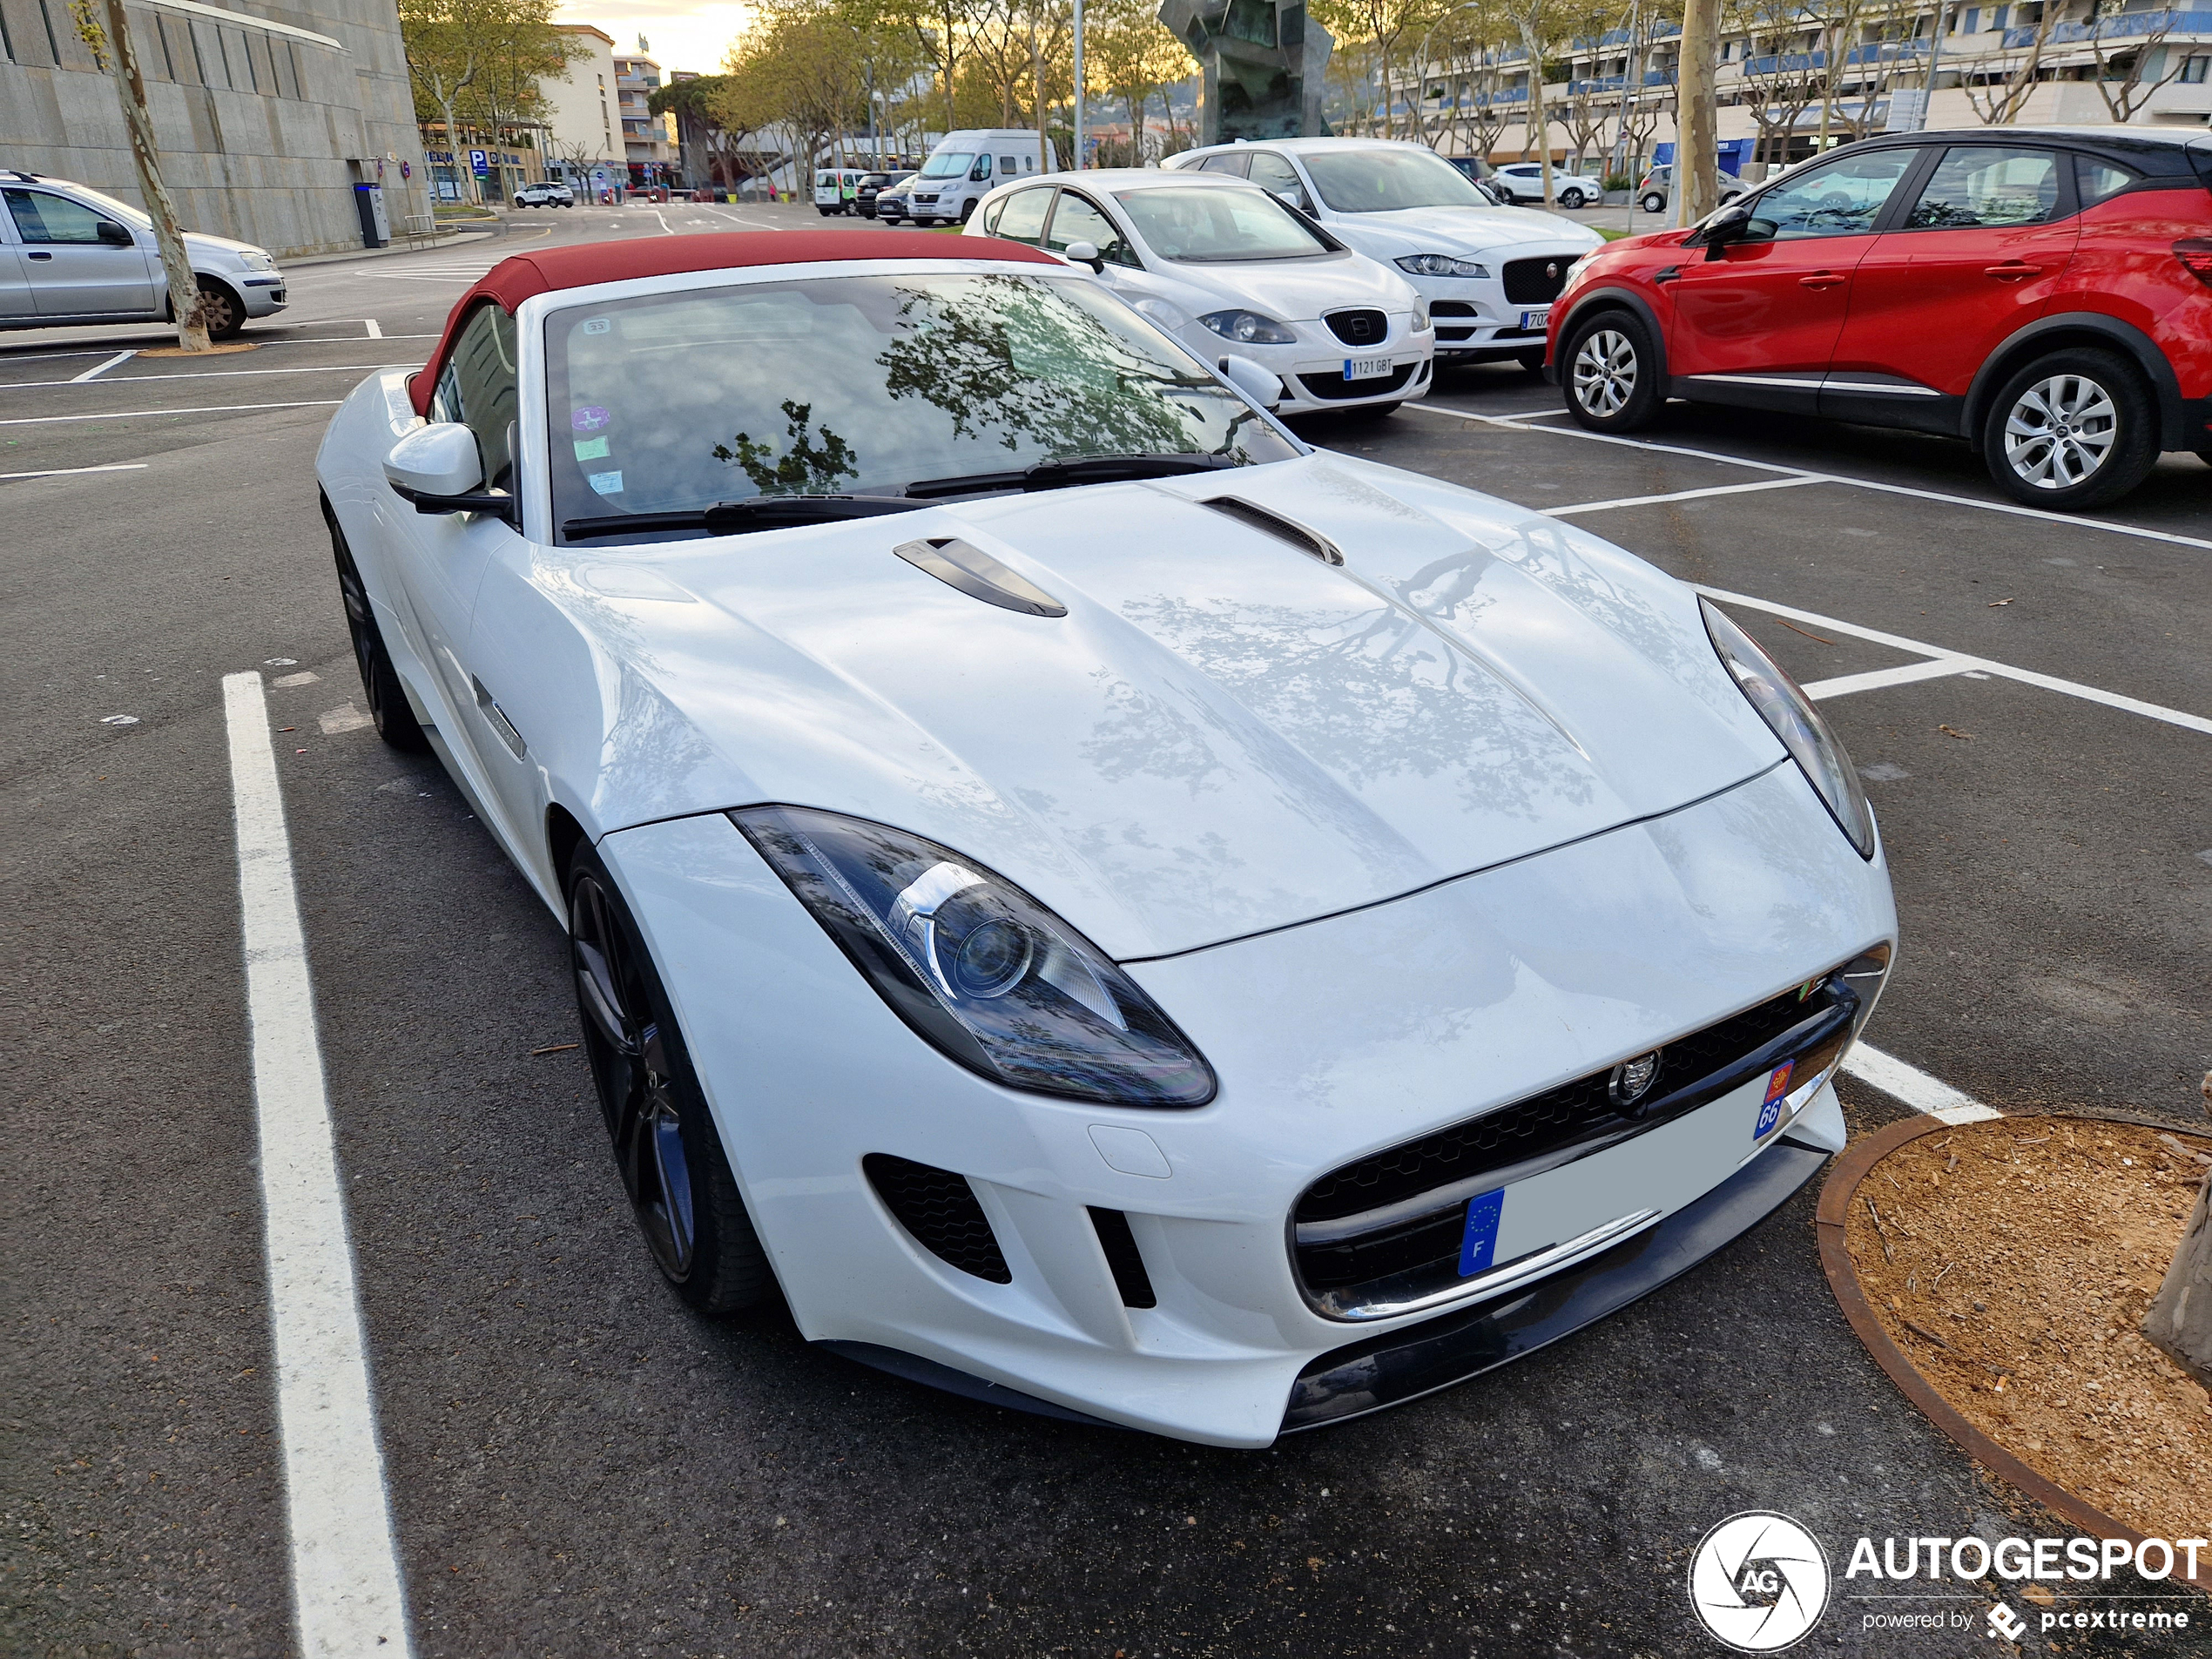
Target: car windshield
[(947, 164), (1375, 181), (1198, 225), (866, 384), (122, 211)]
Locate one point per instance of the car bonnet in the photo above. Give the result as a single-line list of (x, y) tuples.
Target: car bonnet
[(1224, 734), (1468, 229)]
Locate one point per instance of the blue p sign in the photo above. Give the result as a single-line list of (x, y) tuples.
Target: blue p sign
[(478, 162)]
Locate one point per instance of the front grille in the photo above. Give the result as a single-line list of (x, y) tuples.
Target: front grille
[(1335, 387), (940, 1208), (1358, 328), (1412, 1248), (1536, 282), (1453, 308), (1124, 1259)]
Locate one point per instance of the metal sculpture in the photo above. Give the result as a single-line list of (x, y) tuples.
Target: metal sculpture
[(1261, 63)]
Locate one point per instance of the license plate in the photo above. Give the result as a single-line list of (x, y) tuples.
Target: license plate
[(1366, 369), (1532, 320)]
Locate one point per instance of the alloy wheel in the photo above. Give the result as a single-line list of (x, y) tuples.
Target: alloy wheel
[(1605, 372), (637, 1086), (2059, 430)]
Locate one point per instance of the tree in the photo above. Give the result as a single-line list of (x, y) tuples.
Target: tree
[(1381, 26), (2000, 92), (1132, 55), (443, 58), (2121, 68), (1544, 26), (478, 64), (1780, 70)]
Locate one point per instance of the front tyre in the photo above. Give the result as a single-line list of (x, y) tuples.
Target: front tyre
[(665, 1144), (1652, 202), (2074, 430), (387, 699), (1531, 360), (222, 311), (1610, 372), (967, 211)]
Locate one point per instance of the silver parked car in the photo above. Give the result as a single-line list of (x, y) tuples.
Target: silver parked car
[(70, 254)]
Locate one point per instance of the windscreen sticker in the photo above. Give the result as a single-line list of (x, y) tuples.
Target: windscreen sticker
[(1480, 1243), (607, 484), (590, 418), (1777, 1088), (591, 449), (598, 325)]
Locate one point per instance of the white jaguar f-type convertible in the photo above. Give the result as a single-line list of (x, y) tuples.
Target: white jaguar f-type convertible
[(1104, 907)]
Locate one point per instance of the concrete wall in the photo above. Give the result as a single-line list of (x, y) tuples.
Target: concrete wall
[(267, 116)]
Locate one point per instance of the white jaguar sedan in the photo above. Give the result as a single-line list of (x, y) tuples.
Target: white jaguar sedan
[(1105, 909), (1230, 269)]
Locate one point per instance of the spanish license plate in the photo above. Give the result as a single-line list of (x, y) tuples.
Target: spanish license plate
[(1366, 369), (1531, 321)]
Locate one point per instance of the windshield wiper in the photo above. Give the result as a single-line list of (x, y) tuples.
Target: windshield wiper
[(754, 513), (1063, 472)]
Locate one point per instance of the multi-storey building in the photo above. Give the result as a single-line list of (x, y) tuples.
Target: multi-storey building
[(583, 136), (649, 140), (1793, 77)]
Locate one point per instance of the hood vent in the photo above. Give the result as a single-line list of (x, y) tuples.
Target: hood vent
[(975, 573), (1274, 524)]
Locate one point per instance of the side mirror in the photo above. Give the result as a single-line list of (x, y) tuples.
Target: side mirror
[(1254, 381), (438, 468), (1730, 225), (1087, 253), (114, 235)]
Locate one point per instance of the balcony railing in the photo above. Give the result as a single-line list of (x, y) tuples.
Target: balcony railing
[(2120, 26)]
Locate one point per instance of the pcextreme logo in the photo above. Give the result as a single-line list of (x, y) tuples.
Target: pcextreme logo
[(1759, 1581)]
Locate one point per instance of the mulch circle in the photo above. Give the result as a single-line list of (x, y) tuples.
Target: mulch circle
[(1955, 1370), (222, 350)]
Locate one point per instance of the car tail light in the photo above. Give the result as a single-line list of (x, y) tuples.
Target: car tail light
[(2196, 251)]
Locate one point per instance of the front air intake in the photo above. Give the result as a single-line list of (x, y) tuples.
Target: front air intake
[(940, 1210), (1123, 1256)]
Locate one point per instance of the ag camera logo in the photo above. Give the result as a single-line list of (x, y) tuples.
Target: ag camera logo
[(1759, 1581)]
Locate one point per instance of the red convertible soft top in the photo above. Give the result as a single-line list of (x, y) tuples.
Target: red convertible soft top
[(513, 280)]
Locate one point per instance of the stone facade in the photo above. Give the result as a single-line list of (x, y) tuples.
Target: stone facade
[(268, 117)]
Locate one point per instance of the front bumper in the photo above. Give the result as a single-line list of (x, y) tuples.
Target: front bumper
[(262, 292), (1437, 1010), (1311, 368)]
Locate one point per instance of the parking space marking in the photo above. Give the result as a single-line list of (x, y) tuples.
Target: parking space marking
[(1680, 495), (207, 374), (345, 1570), (71, 472), (1914, 1086), (92, 373), (142, 414), (1513, 423), (1960, 662), (1876, 679)]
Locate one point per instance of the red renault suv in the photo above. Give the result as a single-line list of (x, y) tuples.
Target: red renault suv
[(2044, 293)]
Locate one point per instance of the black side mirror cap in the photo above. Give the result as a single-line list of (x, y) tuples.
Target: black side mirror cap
[(114, 235), (1725, 226), (504, 507)]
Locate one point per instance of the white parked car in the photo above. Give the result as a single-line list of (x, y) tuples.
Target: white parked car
[(1488, 273), (70, 255), (1523, 181), (1230, 270), (1105, 908), (548, 192)]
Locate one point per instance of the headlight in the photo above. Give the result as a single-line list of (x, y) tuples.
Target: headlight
[(1249, 327), (254, 260), (1441, 264), (977, 967), (1794, 720), (1160, 311), (1420, 314)]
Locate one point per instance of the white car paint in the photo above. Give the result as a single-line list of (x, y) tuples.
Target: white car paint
[(1524, 181), (1299, 293), (1475, 321), (1395, 842)]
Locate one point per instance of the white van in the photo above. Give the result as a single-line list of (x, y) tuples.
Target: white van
[(968, 165), (834, 188)]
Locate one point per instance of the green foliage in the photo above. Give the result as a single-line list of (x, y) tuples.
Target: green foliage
[(808, 468)]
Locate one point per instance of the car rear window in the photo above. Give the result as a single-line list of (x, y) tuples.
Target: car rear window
[(2094, 181)]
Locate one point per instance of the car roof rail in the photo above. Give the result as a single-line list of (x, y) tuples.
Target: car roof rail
[(28, 177)]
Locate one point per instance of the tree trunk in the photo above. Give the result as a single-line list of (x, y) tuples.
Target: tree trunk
[(1697, 188), (146, 155), (2180, 1319)]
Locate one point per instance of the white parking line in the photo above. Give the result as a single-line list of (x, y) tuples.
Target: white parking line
[(92, 373), (345, 1570), (1518, 424), (665, 231), (1877, 679), (1914, 1086), (206, 375), (140, 415), (1679, 495), (1959, 662), (71, 472)]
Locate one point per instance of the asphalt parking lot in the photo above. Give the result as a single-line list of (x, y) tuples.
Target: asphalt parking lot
[(576, 1466)]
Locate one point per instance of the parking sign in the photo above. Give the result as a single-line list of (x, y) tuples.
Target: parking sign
[(478, 162)]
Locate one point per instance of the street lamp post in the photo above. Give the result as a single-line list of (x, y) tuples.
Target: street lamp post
[(1079, 86)]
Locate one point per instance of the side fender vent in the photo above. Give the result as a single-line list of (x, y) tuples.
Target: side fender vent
[(1280, 528), (975, 573), (940, 1210)]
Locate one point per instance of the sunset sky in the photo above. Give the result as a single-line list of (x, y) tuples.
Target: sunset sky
[(681, 37)]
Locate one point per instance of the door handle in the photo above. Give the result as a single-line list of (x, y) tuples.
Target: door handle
[(41, 256), (1820, 280), (2011, 270)]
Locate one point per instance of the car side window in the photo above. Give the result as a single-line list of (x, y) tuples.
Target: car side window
[(1022, 219), (1841, 198), (1988, 187), (1271, 172), (2096, 180), (42, 218), (1077, 219), (1227, 161), (479, 388)]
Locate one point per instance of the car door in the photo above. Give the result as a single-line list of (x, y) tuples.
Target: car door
[(443, 557), (1020, 217), (80, 262), (1759, 325), (15, 280), (1274, 174), (1976, 255), (1075, 218)]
